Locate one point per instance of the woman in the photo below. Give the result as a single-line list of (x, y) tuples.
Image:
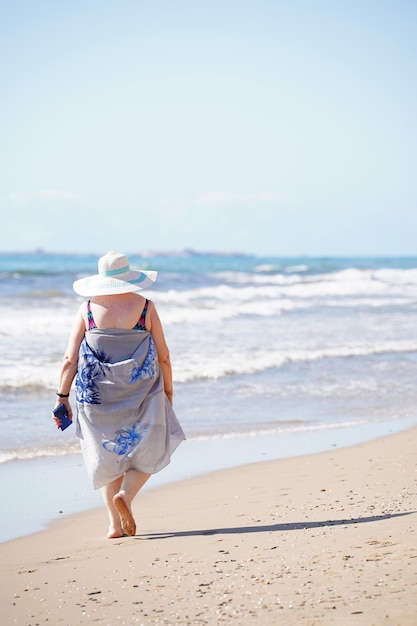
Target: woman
[(125, 421)]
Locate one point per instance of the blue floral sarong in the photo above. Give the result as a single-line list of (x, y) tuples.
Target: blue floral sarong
[(124, 419)]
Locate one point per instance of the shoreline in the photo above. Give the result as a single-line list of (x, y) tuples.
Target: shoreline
[(63, 487), (321, 539)]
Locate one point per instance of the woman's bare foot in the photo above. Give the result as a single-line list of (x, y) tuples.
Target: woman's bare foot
[(122, 504), (115, 532)]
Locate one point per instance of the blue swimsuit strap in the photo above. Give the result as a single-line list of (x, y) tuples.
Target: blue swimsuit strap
[(91, 322), (140, 325)]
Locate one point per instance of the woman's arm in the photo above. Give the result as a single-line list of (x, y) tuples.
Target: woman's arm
[(70, 364), (153, 324)]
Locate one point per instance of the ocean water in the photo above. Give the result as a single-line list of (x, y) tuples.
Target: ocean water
[(258, 345), (272, 357)]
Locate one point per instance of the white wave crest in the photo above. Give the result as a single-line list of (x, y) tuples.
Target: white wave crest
[(25, 454), (190, 368)]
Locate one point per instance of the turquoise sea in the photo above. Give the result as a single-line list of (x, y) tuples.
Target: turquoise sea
[(263, 349)]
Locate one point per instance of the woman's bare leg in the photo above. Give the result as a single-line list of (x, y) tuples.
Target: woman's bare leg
[(108, 492), (131, 483)]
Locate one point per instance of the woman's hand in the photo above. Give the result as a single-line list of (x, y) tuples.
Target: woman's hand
[(66, 402)]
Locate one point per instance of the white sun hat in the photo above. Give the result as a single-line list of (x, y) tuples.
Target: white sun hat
[(114, 277)]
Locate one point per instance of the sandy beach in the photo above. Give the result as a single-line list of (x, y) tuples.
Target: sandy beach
[(328, 538)]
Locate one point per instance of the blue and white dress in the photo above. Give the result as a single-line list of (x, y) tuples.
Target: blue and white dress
[(124, 419)]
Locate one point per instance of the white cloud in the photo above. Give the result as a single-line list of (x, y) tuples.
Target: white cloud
[(16, 197), (242, 199), (57, 194)]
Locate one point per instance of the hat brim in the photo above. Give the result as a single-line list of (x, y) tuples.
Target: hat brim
[(98, 285)]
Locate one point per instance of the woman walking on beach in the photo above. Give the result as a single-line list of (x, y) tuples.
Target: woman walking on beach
[(118, 354)]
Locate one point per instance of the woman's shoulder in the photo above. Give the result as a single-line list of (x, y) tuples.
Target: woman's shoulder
[(83, 308)]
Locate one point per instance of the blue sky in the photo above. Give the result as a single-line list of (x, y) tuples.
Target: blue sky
[(269, 127)]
